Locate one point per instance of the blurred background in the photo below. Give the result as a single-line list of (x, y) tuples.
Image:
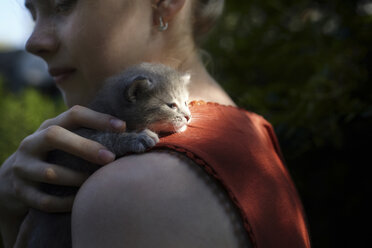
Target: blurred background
[(305, 65)]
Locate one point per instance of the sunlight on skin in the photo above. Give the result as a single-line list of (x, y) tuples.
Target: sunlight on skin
[(182, 129)]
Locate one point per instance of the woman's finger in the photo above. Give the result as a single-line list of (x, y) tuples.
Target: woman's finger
[(43, 172), (56, 137), (42, 201), (79, 116)]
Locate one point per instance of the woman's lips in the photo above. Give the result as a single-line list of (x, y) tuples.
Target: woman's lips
[(61, 74)]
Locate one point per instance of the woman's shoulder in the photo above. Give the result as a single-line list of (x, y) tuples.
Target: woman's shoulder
[(153, 198)]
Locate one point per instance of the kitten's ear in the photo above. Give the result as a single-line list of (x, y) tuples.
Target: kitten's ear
[(138, 86), (186, 78)]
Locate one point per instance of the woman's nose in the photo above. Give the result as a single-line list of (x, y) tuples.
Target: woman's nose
[(43, 40)]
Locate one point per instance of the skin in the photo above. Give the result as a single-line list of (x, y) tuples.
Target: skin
[(124, 34)]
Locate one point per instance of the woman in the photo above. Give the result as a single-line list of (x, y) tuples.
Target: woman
[(162, 198)]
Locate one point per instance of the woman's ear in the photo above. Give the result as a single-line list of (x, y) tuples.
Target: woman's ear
[(167, 9)]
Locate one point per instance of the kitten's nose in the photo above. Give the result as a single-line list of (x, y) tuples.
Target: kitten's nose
[(187, 117)]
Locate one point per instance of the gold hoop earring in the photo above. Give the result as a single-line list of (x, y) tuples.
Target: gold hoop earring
[(162, 27)]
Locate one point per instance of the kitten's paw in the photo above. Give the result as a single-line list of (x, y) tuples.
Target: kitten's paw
[(144, 140), (152, 135)]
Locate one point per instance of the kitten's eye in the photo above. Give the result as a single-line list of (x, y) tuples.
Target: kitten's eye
[(172, 105), (63, 6), (186, 104)]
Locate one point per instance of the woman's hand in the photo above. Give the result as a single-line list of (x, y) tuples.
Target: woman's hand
[(22, 172)]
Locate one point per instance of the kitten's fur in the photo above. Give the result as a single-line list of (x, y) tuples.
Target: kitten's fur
[(146, 96)]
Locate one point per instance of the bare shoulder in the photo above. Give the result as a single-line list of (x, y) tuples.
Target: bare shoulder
[(154, 200)]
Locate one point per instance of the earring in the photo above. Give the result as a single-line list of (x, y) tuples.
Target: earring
[(162, 27)]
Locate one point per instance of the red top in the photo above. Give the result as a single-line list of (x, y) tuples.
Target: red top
[(240, 150)]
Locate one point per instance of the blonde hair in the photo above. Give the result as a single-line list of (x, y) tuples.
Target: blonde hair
[(205, 14)]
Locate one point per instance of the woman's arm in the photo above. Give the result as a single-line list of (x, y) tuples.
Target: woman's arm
[(154, 200)]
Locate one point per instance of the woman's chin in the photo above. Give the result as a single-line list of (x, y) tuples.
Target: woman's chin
[(166, 132), (167, 129), (182, 129)]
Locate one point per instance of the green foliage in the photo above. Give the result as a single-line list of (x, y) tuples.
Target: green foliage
[(305, 66), (21, 115), (298, 63)]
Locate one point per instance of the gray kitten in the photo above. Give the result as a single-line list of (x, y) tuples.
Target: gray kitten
[(151, 98)]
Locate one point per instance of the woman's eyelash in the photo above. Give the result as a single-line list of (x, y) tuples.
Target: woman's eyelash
[(31, 9), (64, 5)]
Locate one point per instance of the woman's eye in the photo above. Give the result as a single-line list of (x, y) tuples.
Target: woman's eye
[(172, 105), (64, 5)]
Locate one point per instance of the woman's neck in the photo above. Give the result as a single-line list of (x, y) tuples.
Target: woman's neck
[(202, 85)]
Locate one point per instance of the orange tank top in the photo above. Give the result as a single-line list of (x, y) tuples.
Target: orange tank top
[(241, 151)]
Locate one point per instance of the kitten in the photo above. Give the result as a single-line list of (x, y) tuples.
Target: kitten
[(151, 99)]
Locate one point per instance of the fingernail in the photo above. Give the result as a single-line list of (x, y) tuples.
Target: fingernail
[(106, 156), (117, 124)]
